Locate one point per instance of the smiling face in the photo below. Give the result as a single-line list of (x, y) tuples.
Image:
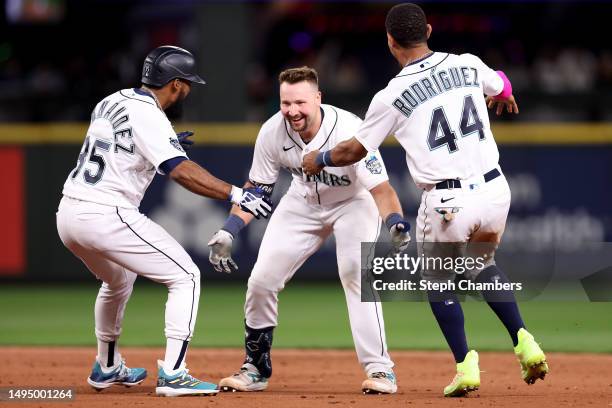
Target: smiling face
[(300, 104)]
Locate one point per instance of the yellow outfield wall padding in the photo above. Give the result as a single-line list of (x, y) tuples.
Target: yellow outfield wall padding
[(245, 133)]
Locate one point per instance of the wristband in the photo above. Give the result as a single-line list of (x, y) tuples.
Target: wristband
[(320, 161), (233, 224), (235, 192), (507, 91), (324, 159), (393, 219)]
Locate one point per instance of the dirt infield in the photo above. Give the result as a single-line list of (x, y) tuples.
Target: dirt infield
[(317, 378)]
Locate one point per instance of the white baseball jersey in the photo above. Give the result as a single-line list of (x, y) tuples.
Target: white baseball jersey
[(279, 146), (128, 138), (299, 226), (98, 219), (436, 110)]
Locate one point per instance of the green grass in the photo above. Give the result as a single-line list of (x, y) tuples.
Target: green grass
[(310, 316)]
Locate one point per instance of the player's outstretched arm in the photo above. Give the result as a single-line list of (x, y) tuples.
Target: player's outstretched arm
[(345, 153), (199, 181), (220, 255), (390, 210)]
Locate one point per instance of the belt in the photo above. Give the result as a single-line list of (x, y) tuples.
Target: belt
[(454, 183)]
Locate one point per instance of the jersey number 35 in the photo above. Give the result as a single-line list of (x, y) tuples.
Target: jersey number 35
[(92, 157)]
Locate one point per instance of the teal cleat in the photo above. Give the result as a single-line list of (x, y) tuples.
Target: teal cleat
[(181, 384), (101, 378)]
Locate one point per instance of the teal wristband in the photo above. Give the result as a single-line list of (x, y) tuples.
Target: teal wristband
[(233, 225)]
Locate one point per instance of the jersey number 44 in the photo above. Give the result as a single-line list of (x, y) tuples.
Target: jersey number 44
[(441, 134)]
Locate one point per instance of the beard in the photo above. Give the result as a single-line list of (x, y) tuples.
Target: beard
[(302, 127), (175, 111)]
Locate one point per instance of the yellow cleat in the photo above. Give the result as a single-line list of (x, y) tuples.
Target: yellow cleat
[(467, 378), (531, 357)]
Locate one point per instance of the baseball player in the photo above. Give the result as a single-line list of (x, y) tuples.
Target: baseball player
[(341, 201), (130, 139), (436, 110)]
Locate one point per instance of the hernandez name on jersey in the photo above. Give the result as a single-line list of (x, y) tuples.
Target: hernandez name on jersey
[(128, 138), (278, 146)]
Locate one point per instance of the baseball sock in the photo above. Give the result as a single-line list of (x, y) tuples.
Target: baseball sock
[(108, 353), (257, 344), (175, 355), (447, 310), (502, 302)]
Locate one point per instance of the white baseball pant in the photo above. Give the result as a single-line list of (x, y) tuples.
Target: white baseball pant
[(117, 244), (479, 210), (296, 230)]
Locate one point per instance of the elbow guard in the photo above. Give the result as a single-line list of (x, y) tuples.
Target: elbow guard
[(266, 188)]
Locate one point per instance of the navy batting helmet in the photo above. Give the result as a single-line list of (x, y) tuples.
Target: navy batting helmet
[(166, 63)]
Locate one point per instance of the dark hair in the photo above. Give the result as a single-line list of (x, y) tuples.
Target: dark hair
[(295, 75), (407, 24)]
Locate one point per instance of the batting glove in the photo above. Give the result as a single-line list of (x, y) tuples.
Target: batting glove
[(252, 200), (184, 140), (220, 255), (399, 230)]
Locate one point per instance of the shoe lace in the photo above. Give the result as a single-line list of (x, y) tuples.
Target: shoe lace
[(124, 371), (243, 370), (458, 376), (379, 375), (187, 376)]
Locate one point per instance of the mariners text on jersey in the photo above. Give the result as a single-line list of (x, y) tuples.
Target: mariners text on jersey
[(330, 179)]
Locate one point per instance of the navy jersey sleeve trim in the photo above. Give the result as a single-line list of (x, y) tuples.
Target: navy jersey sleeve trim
[(169, 165)]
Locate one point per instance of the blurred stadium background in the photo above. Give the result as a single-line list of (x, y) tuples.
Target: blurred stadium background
[(60, 57)]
